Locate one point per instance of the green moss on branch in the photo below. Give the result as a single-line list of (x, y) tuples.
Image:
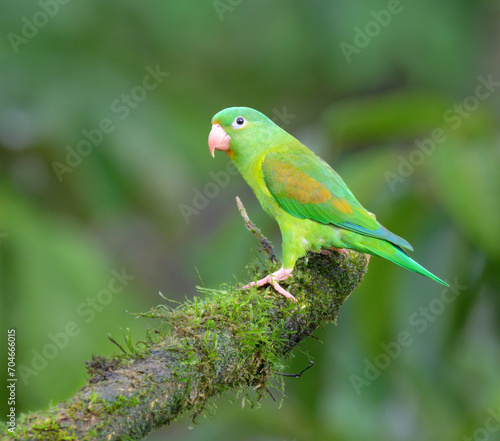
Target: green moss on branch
[(230, 340)]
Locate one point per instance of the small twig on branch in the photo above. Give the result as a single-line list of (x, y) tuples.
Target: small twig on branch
[(265, 243)]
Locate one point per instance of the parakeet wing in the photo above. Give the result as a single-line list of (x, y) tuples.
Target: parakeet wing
[(308, 188)]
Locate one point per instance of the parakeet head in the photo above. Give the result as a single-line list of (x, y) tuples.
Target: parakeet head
[(241, 132)]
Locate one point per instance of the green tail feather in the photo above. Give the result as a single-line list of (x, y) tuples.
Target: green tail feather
[(397, 255)]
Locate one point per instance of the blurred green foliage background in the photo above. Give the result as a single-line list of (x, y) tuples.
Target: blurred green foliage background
[(402, 98)]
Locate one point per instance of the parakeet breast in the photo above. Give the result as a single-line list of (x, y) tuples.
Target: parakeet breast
[(252, 173)]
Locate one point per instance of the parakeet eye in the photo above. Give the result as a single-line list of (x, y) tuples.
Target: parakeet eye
[(239, 123)]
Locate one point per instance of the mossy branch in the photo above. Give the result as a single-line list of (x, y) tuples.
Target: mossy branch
[(232, 340)]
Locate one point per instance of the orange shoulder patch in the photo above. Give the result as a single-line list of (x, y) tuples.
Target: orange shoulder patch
[(296, 184)]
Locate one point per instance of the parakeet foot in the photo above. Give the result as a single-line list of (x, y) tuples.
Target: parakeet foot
[(273, 279), (339, 250)]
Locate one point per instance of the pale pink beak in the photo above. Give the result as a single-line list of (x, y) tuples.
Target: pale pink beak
[(218, 139)]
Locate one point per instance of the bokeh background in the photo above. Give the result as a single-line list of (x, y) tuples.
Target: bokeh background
[(401, 97)]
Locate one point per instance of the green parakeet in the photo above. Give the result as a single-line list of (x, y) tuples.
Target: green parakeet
[(311, 203)]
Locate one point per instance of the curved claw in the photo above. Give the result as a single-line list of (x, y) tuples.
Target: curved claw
[(273, 279), (283, 291)]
